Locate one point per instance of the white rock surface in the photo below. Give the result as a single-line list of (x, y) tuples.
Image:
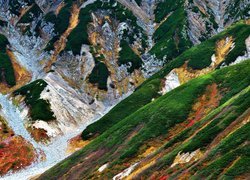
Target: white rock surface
[(68, 106), (27, 49), (126, 172), (103, 167), (186, 157), (171, 82)]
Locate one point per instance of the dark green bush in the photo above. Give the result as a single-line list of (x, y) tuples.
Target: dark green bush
[(40, 109), (128, 55), (99, 75)]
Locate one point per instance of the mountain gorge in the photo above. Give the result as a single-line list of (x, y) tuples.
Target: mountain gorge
[(140, 89)]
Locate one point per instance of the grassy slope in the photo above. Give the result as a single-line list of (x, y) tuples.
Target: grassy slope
[(171, 36), (198, 56), (224, 152), (157, 117)]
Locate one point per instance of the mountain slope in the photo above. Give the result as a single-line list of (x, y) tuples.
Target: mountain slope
[(66, 63), (159, 134), (198, 57), (158, 138)]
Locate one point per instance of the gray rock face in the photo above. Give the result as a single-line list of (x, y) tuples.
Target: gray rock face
[(207, 18), (48, 5)]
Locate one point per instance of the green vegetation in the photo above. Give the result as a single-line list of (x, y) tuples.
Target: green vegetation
[(79, 35), (3, 23), (128, 55), (132, 103), (7, 73), (206, 135), (3, 43), (39, 108), (198, 57), (99, 75), (29, 16), (240, 35), (61, 22), (171, 37), (229, 153), (138, 2), (157, 117), (165, 7), (239, 168)]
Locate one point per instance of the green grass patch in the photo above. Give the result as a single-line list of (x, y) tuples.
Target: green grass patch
[(171, 37), (198, 58), (33, 12), (39, 108), (127, 55), (99, 76)]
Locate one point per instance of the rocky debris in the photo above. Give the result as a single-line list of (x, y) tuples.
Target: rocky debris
[(61, 43), (199, 26), (105, 35), (137, 11), (48, 5), (28, 50), (151, 65), (85, 3), (13, 116), (69, 107), (183, 158), (207, 18), (126, 172), (149, 6), (75, 69), (73, 100), (171, 82), (222, 49), (217, 8), (44, 126)]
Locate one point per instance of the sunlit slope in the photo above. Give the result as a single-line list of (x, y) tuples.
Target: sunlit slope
[(198, 59), (186, 132)]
